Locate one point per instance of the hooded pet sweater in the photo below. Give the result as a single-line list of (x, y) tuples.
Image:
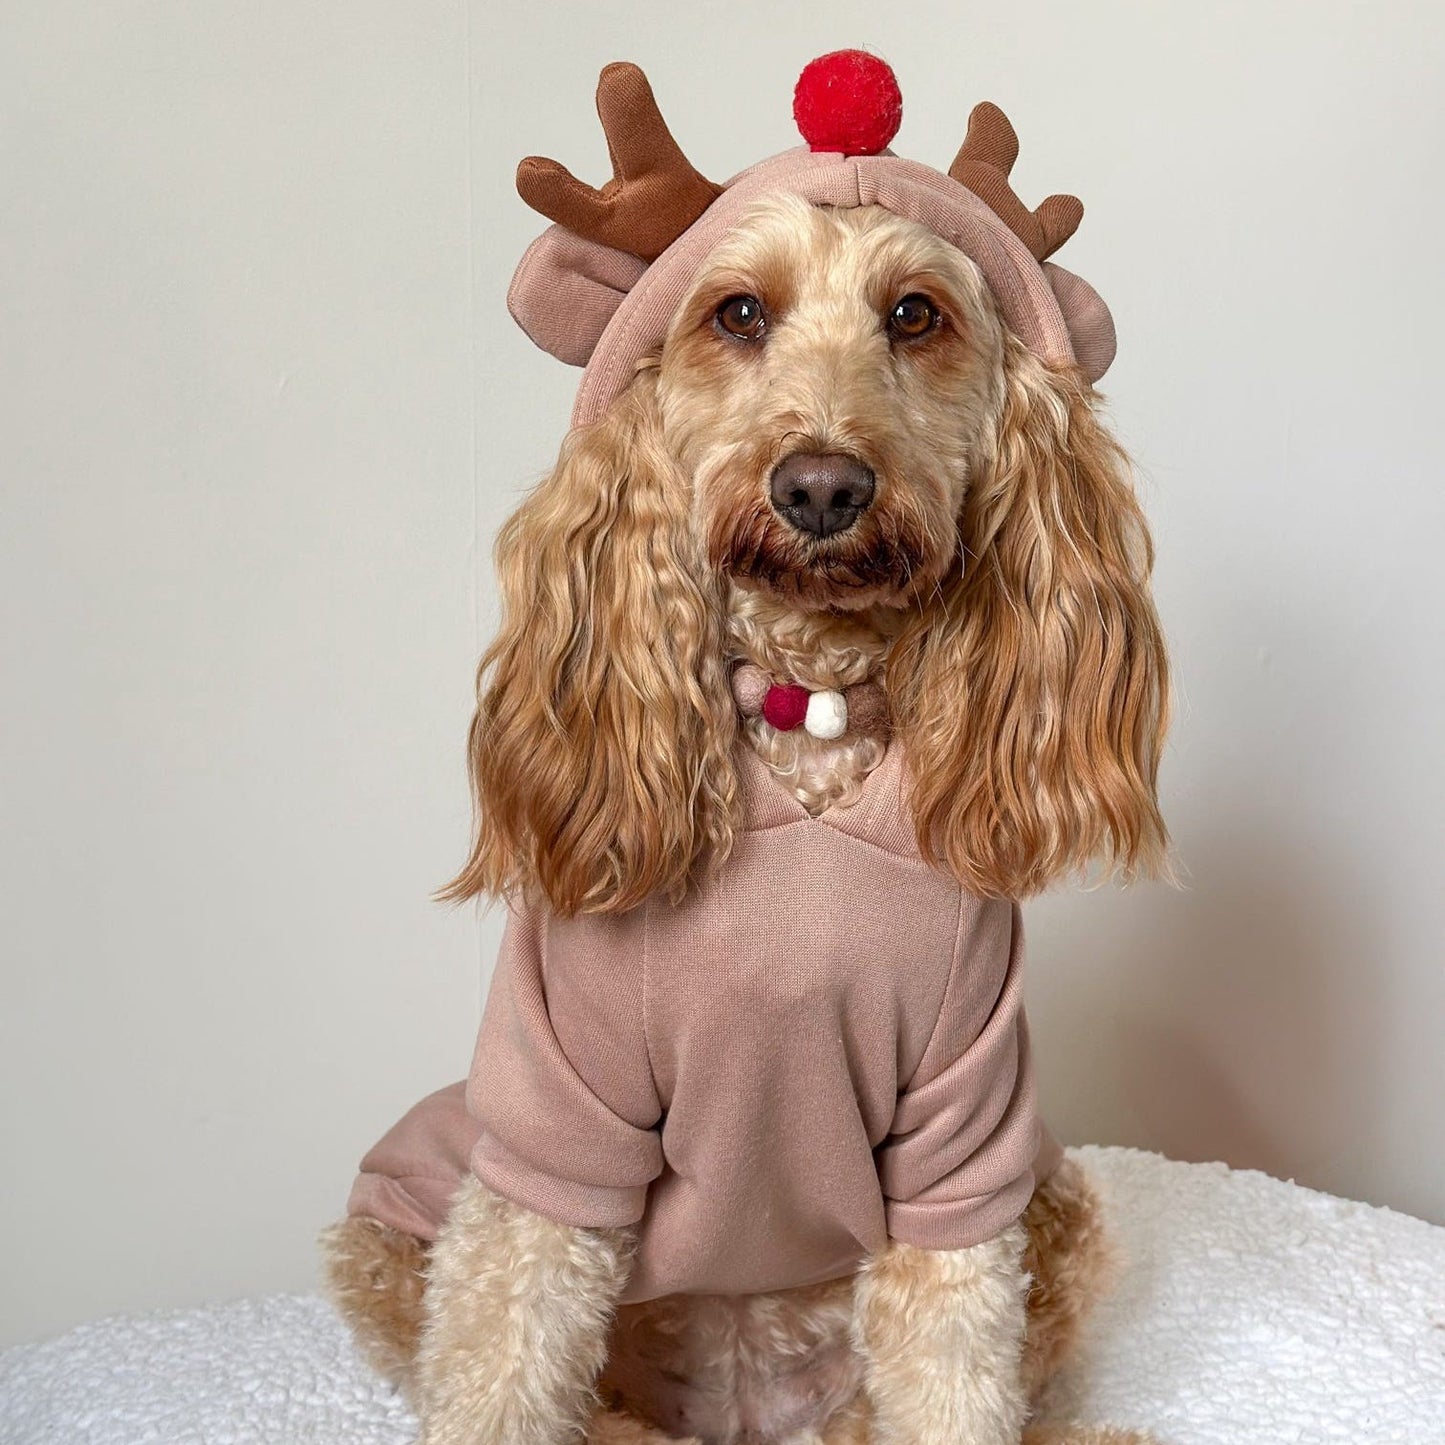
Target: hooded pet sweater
[(821, 1048)]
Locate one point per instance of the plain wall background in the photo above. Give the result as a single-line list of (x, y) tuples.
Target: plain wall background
[(262, 411)]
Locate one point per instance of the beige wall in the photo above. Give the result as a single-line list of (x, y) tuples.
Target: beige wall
[(262, 410)]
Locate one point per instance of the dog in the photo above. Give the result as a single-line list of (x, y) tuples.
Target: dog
[(844, 468)]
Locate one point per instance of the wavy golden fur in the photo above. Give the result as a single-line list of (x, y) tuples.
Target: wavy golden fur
[(1003, 568), (601, 748), (1032, 689)]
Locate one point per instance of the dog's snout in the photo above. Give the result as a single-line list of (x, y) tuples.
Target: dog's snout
[(822, 493)]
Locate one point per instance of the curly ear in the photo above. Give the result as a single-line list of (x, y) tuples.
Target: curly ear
[(1032, 693), (601, 748)]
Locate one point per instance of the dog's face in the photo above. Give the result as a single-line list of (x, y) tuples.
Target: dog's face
[(828, 387), (838, 421)]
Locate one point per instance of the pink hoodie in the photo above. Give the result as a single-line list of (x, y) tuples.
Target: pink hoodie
[(822, 1048)]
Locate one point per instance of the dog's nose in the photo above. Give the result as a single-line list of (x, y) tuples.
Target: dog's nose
[(821, 493)]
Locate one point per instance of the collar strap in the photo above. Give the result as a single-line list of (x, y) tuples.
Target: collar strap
[(825, 714)]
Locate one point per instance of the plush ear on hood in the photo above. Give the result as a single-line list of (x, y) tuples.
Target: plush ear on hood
[(566, 289), (1091, 327)]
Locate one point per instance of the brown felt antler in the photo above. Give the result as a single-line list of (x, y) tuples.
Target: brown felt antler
[(654, 194), (983, 163)]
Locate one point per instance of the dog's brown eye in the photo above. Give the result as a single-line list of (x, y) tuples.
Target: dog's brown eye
[(912, 317), (743, 317)]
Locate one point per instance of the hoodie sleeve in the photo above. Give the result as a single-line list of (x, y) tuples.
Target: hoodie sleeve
[(958, 1164), (561, 1086)]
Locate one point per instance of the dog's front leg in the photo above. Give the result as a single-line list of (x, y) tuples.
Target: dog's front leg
[(941, 1335), (517, 1315)]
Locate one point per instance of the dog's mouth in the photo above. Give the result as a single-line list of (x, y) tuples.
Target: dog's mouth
[(878, 560)]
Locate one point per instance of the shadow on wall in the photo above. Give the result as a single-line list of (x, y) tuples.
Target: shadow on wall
[(1238, 1019)]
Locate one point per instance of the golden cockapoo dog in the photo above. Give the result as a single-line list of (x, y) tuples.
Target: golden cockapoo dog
[(842, 465)]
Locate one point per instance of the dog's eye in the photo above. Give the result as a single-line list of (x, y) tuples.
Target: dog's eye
[(743, 317), (912, 317)]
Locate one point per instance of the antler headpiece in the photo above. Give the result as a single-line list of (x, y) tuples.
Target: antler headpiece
[(654, 194), (983, 163), (599, 288)]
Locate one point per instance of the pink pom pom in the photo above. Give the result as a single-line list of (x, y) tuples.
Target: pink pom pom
[(848, 101), (786, 707), (750, 687)]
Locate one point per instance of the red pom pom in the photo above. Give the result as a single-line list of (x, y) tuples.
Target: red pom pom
[(848, 101), (785, 707)]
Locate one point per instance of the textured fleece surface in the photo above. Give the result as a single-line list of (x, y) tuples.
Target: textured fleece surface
[(1248, 1312)]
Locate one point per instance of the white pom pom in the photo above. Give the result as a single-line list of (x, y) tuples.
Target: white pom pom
[(827, 715)]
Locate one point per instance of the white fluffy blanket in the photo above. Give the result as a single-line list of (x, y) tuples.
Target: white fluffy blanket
[(1249, 1312)]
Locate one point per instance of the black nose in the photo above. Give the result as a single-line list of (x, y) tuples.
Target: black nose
[(821, 493)]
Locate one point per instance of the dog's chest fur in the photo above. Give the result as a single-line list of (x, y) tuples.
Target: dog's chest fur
[(818, 650)]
